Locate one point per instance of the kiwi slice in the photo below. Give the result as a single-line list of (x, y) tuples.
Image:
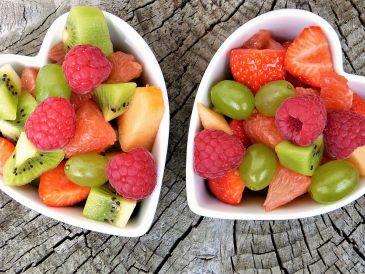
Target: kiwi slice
[(303, 160), (9, 91), (104, 206), (87, 26), (113, 99), (27, 163), (26, 105)]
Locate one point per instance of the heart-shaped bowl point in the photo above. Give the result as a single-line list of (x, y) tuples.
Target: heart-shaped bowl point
[(285, 25), (125, 38)]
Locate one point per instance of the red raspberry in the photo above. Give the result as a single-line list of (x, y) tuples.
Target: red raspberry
[(301, 119), (238, 130), (52, 124), (133, 174), (85, 67), (216, 153), (345, 131)]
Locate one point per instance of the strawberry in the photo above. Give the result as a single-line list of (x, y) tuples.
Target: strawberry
[(309, 56), (254, 68), (286, 44), (57, 53), (228, 188), (28, 79), (285, 187), (58, 191), (358, 104), (238, 130), (6, 149), (262, 40), (294, 81)]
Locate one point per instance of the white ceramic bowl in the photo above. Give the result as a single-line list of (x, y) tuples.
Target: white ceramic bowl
[(284, 24), (124, 37)]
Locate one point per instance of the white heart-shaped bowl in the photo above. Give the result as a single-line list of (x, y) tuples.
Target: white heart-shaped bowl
[(125, 38), (284, 24)]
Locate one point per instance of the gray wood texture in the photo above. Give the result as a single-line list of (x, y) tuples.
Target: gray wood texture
[(184, 35)]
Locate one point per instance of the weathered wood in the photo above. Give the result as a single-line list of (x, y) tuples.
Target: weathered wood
[(184, 35)]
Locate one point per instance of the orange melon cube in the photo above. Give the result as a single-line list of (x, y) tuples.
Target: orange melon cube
[(212, 120), (357, 158)]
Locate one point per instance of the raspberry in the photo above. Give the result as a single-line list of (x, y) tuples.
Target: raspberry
[(216, 153), (85, 67), (52, 124), (345, 131), (133, 174), (301, 119)]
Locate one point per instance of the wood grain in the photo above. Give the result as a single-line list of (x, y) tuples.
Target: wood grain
[(184, 35)]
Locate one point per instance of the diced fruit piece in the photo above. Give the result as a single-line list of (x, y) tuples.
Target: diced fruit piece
[(306, 91), (9, 91), (255, 68), (301, 119), (114, 99), (286, 44), (216, 153), (333, 181), (85, 67), (77, 100), (285, 187), (133, 175), (57, 53), (228, 188), (10, 130), (27, 164), (294, 81), (139, 125), (262, 40), (344, 133), (51, 82), (93, 133), (52, 124), (10, 78), (232, 99), (58, 191), (258, 166), (357, 158), (275, 45), (6, 150), (309, 56), (303, 160), (86, 25), (262, 129), (271, 95), (104, 206), (124, 68), (28, 80), (238, 130), (212, 120), (87, 169), (358, 104), (335, 93)]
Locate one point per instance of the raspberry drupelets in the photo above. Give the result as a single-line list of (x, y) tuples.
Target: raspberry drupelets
[(85, 67)]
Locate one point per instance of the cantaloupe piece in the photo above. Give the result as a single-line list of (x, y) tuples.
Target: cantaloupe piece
[(358, 159), (212, 120), (138, 126)]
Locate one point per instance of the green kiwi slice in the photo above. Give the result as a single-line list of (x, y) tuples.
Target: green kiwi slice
[(87, 26), (104, 206), (114, 99), (27, 163), (26, 105), (303, 160), (9, 91)]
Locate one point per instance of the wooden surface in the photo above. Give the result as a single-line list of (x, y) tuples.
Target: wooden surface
[(184, 35)]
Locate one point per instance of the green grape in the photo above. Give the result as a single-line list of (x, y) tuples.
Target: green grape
[(87, 169), (258, 166), (270, 96), (51, 82), (333, 181), (232, 99)]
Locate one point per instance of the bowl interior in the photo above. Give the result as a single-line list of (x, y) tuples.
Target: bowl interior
[(125, 38), (285, 25)]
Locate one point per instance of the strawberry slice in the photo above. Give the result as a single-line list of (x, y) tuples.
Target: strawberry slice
[(228, 188), (285, 187), (238, 130), (57, 53), (58, 191), (28, 79), (309, 56), (358, 104), (254, 68), (6, 149)]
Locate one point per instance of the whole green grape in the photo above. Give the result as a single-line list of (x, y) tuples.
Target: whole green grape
[(258, 166), (271, 95), (232, 99), (333, 181), (87, 169)]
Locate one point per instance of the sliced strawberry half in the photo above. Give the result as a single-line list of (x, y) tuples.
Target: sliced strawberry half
[(358, 104), (309, 56), (6, 149)]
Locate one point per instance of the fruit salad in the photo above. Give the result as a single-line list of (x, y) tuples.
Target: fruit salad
[(282, 124), (80, 129)]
